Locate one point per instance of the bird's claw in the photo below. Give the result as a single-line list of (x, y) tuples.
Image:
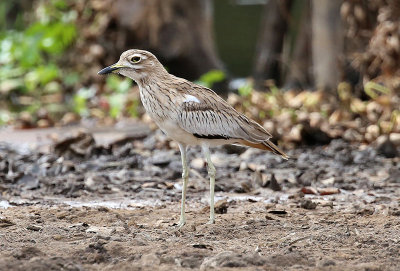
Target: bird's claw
[(181, 224)]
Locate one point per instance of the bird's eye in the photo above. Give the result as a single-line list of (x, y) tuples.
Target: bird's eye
[(135, 59)]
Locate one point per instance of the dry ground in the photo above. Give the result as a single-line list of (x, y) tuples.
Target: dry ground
[(247, 237), (116, 209)]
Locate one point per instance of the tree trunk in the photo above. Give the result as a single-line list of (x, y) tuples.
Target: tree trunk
[(327, 43), (270, 43), (299, 71)]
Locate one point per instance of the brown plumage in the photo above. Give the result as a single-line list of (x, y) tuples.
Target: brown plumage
[(267, 146), (190, 114)]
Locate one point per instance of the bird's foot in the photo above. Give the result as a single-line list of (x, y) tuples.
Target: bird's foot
[(211, 221), (181, 223)]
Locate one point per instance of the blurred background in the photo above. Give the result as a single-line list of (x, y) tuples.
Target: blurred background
[(321, 69)]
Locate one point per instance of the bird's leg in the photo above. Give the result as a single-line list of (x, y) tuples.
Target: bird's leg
[(211, 173), (185, 177)]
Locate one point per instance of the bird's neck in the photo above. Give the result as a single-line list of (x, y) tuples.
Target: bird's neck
[(147, 80)]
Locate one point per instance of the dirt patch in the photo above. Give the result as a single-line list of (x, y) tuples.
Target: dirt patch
[(247, 236), (328, 208)]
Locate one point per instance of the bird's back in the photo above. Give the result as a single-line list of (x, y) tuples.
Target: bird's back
[(192, 114)]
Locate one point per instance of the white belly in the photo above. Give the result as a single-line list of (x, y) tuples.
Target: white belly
[(172, 130)]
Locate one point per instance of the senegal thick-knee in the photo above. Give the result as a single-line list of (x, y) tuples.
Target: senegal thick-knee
[(189, 114)]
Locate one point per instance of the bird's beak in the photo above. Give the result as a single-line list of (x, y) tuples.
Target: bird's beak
[(110, 69)]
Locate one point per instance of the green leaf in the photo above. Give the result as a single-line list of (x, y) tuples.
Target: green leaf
[(370, 88), (211, 77)]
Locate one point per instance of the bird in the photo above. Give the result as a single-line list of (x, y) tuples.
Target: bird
[(190, 114)]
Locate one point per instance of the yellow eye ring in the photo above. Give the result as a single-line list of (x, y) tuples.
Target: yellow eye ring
[(135, 59)]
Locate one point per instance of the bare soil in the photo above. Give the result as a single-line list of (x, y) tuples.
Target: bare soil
[(86, 207)]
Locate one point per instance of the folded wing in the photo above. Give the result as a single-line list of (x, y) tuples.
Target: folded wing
[(206, 115)]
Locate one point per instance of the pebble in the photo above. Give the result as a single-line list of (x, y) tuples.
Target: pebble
[(221, 207), (308, 204), (387, 149), (33, 227), (197, 163), (395, 138), (328, 181), (307, 178)]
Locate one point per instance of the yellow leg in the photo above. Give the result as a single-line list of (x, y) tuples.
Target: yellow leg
[(211, 173), (185, 177)]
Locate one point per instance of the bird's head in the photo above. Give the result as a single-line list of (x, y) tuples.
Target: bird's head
[(137, 65)]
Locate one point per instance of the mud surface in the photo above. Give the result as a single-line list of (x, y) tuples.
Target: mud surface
[(86, 206)]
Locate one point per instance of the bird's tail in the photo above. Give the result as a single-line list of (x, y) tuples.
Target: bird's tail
[(266, 145)]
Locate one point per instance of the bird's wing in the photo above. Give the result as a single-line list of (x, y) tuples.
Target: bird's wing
[(206, 115)]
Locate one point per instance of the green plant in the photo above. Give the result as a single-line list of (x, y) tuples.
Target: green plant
[(210, 78), (29, 57), (371, 88)]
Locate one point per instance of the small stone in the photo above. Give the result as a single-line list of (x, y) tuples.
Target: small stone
[(34, 227), (395, 138), (308, 204), (307, 178), (273, 184), (197, 163), (387, 149), (328, 181), (161, 158), (221, 207)]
